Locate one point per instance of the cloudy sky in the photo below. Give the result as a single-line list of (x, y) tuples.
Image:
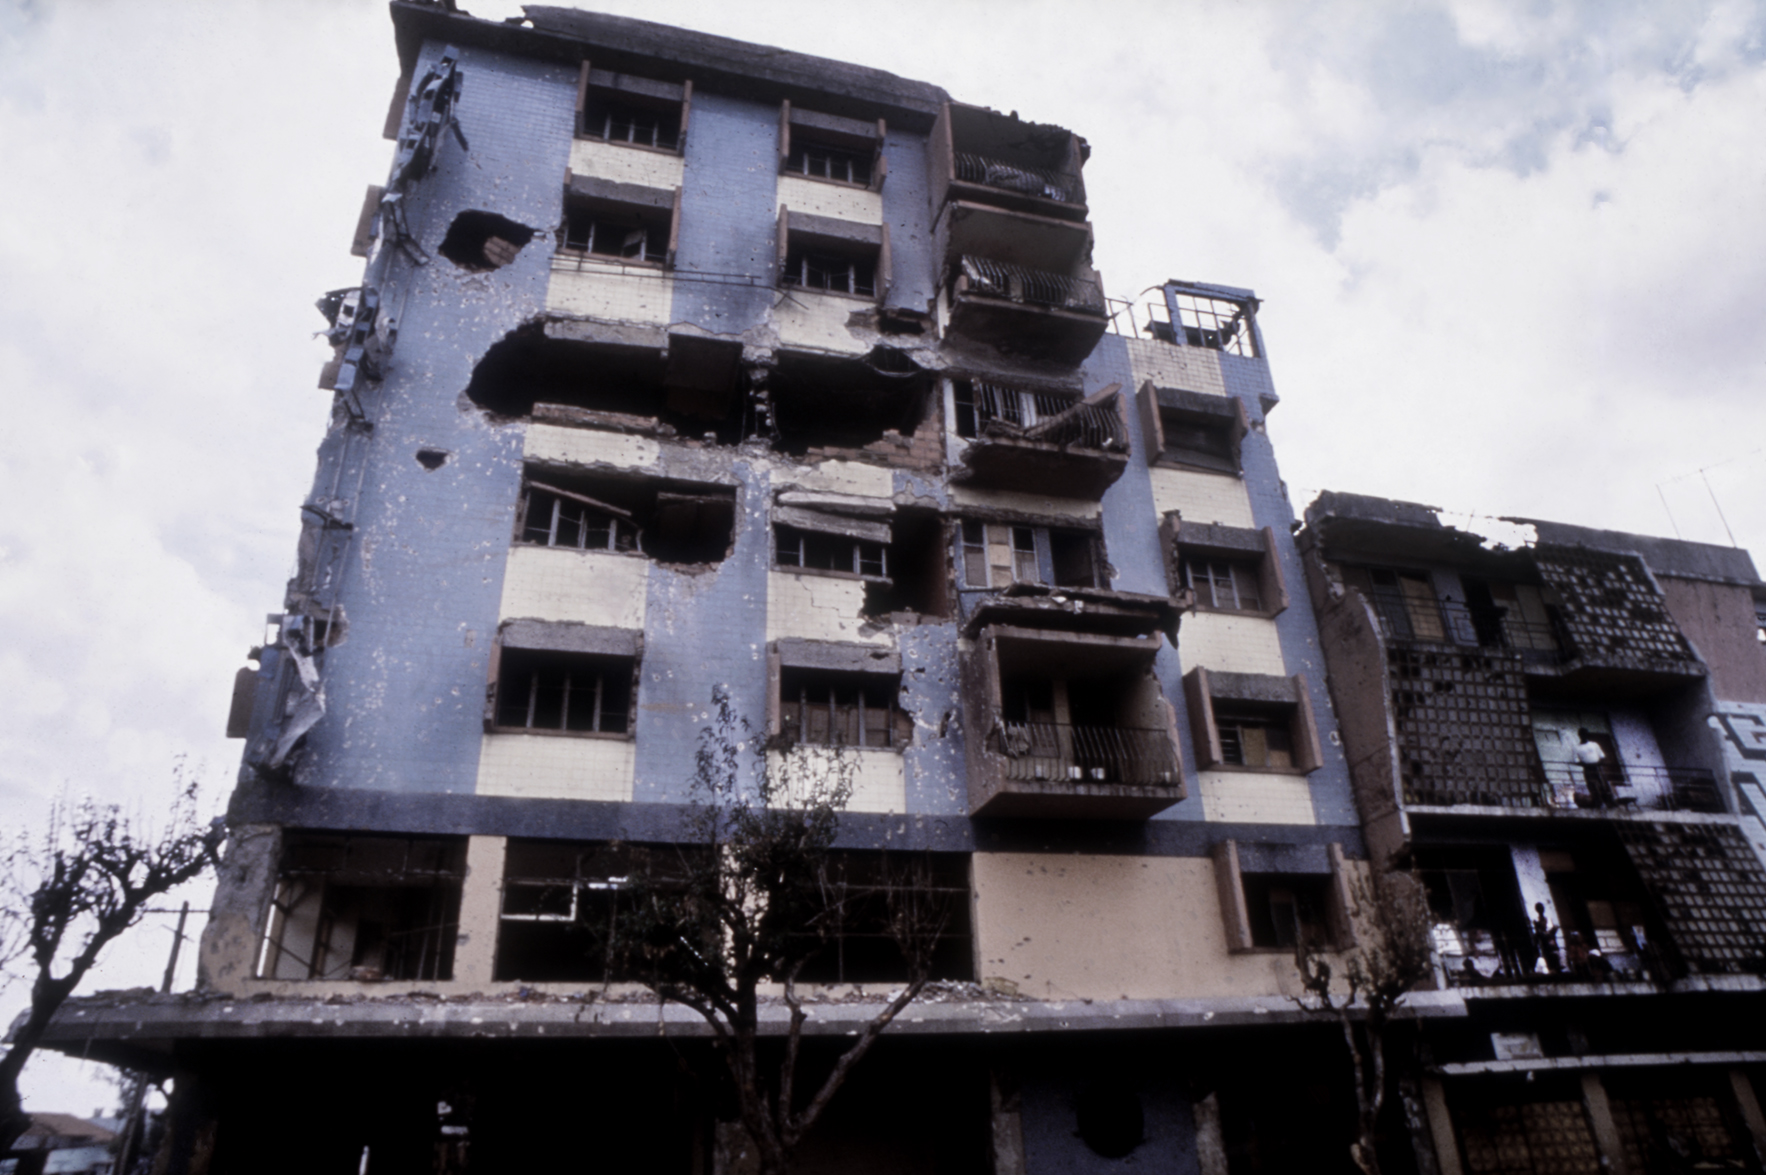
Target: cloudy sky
[(1512, 258)]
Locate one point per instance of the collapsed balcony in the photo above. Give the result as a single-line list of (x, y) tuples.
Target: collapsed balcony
[(825, 407), (983, 156), (1068, 724), (1021, 283), (1049, 442)]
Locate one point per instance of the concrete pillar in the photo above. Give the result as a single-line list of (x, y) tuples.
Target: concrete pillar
[(1441, 1126), (1008, 1124), (1606, 1130), (481, 905), (245, 883), (1210, 1139), (1749, 1105), (1530, 878)]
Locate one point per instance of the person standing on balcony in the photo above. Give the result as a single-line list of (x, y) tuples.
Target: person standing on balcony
[(1591, 756)]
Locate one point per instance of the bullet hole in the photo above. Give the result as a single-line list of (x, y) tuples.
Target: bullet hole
[(431, 459), (479, 241), (1110, 1119)]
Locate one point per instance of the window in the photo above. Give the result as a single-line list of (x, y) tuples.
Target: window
[(560, 900), (830, 147), (633, 111), (999, 554), (1285, 910), (1192, 429), (677, 522), (627, 233), (827, 163), (546, 690), (364, 908), (553, 517), (835, 273), (1404, 601), (868, 894), (1219, 324), (1252, 722), (827, 552), (1249, 738), (1279, 897), (834, 709), (833, 256), (1227, 568)]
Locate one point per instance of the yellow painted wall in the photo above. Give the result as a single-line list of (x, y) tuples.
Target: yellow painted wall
[(587, 446), (626, 164), (1191, 369), (1255, 797), (547, 583), (879, 783), (820, 198), (556, 767), (1201, 496), (1230, 642), (817, 607), (610, 292)]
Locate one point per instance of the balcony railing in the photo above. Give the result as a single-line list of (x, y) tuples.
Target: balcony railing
[(1011, 177), (1010, 414), (1036, 287), (1622, 786), (1061, 752), (1494, 958), (1407, 619)]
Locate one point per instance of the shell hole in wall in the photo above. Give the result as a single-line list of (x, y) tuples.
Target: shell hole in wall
[(479, 241), (1110, 1119), (432, 459)]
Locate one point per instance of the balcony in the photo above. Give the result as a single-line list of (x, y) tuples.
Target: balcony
[(1498, 958), (1068, 725), (1632, 787), (983, 156), (1033, 441)]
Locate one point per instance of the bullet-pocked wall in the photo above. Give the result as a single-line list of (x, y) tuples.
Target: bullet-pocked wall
[(421, 587)]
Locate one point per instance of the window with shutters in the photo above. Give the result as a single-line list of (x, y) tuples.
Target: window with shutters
[(999, 554)]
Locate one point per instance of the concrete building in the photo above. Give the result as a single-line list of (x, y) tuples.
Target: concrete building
[(1562, 736), (683, 364)]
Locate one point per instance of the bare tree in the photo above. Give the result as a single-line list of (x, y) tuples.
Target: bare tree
[(68, 890), (757, 894), (1389, 911)]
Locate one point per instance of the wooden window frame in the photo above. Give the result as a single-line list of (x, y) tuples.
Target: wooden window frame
[(1200, 688), (799, 128), (1159, 405), (633, 92), (1224, 544), (1229, 880)]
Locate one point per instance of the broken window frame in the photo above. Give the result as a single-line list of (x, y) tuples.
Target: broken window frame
[(295, 886), (828, 255), (1218, 423), (647, 526), (829, 273), (1033, 550), (601, 95), (623, 535), (1329, 892), (1219, 702), (1258, 739), (792, 548), (850, 145), (1228, 555), (1405, 601), (856, 881), (606, 678)]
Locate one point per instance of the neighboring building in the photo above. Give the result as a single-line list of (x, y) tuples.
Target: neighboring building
[(684, 365), (1563, 739)]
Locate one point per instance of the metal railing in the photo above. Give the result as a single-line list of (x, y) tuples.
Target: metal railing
[(1494, 958), (1037, 287), (1012, 177), (1451, 622), (1062, 752), (1622, 786), (1011, 414)]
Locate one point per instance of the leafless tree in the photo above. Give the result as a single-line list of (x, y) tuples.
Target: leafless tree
[(69, 889), (754, 898), (1389, 911)]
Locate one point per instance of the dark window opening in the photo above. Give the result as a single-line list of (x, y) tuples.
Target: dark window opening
[(562, 902), (1110, 1119), (584, 383), (364, 908), (573, 692), (1405, 602), (1480, 927), (1231, 585), (1060, 723), (827, 163), (847, 404), (831, 552), (1287, 909), (1203, 444), (867, 894), (817, 268), (625, 122), (1255, 737), (615, 231), (675, 522), (432, 459), (833, 709), (919, 569), (480, 241), (997, 555)]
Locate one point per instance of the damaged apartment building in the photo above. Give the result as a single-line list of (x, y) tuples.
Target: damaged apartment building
[(685, 369), (1563, 736)]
